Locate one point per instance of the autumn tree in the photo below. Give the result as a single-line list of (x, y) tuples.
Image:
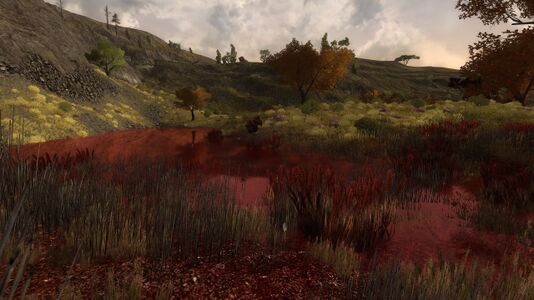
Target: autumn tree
[(106, 56), (491, 12), (405, 59), (503, 62), (304, 68), (115, 20), (264, 55), (192, 99)]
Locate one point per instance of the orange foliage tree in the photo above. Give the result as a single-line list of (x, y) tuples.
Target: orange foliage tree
[(303, 67), (520, 12), (193, 99), (503, 62)]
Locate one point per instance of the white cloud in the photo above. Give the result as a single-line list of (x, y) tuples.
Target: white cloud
[(378, 29)]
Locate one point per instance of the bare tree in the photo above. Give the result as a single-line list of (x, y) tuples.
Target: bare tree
[(117, 22), (60, 6), (107, 16)]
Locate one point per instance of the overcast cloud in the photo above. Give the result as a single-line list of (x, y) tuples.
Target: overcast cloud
[(378, 29)]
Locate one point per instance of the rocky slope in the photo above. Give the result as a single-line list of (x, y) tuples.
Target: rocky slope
[(37, 43), (47, 49)]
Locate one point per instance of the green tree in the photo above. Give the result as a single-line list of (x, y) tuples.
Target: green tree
[(264, 55), (218, 57), (325, 45), (405, 59), (106, 56), (226, 58), (233, 54)]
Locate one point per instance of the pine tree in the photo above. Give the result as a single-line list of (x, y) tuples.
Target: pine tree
[(233, 54), (325, 45), (218, 58)]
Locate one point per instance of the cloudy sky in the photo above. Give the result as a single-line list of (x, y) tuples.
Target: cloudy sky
[(378, 29)]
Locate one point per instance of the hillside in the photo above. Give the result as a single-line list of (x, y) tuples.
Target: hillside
[(249, 86), (42, 57)]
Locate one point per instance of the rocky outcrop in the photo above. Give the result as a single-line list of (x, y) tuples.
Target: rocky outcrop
[(82, 84)]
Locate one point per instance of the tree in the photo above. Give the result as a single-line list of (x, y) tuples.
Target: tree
[(106, 56), (491, 12), (233, 54), (264, 55), (500, 62), (344, 42), (226, 58), (303, 67), (115, 20), (242, 59), (173, 45), (503, 62), (324, 43), (60, 6), (107, 16), (405, 59), (218, 57), (190, 50), (192, 99)]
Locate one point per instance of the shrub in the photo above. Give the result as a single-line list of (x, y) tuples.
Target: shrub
[(215, 136), (254, 124), (65, 106), (337, 107), (479, 100), (371, 126), (417, 102), (310, 107), (327, 208)]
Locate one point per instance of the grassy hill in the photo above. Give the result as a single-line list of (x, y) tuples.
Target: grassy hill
[(47, 79)]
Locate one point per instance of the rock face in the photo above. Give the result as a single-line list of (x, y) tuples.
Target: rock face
[(82, 83)]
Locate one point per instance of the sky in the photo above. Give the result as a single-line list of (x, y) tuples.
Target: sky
[(377, 29)]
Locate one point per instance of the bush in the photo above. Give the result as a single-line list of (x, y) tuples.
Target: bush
[(325, 208), (418, 102), (371, 126), (310, 107), (479, 100), (337, 107), (65, 106)]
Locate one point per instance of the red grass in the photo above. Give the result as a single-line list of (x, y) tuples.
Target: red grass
[(525, 128), (329, 208), (507, 183), (66, 161)]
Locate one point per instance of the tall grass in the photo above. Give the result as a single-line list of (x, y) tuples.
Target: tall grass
[(323, 206), (446, 280), (128, 210)]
